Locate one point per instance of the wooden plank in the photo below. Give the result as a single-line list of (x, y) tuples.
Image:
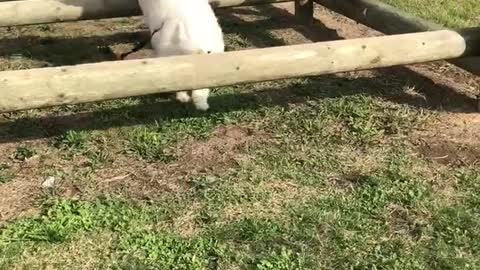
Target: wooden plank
[(389, 20), (29, 12), (44, 87), (304, 11)]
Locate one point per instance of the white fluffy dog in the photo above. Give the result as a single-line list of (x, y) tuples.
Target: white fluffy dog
[(180, 27)]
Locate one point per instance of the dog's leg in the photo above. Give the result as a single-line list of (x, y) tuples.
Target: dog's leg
[(182, 97), (200, 99)]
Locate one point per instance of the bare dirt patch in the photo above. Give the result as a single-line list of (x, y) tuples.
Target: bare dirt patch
[(218, 151), (225, 148), (23, 189), (452, 140), (17, 199)]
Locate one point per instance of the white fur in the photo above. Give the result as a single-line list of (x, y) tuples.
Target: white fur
[(187, 27)]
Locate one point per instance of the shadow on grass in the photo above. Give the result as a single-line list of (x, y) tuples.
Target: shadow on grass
[(155, 109), (66, 51), (150, 110), (437, 97)]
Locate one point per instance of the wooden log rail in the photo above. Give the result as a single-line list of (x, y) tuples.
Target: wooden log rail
[(27, 12), (389, 20), (44, 87)]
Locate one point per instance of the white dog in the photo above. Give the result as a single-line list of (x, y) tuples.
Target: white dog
[(180, 27)]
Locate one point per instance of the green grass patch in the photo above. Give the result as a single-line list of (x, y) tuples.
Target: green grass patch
[(455, 14), (75, 141), (23, 153), (6, 174)]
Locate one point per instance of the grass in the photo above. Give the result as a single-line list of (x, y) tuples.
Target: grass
[(6, 174), (72, 140), (23, 153), (390, 220), (448, 13), (313, 173)]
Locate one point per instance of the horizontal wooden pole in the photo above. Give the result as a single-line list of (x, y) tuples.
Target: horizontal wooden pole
[(390, 20), (44, 87), (28, 12)]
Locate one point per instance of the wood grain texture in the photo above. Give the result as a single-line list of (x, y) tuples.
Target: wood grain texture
[(389, 20), (27, 12), (44, 87)]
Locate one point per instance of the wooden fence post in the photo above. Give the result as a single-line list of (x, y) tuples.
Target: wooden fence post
[(304, 11)]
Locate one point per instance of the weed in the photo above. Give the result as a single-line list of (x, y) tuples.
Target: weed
[(149, 145), (75, 141), (23, 153), (6, 174), (257, 230), (284, 259), (164, 251), (98, 158)]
